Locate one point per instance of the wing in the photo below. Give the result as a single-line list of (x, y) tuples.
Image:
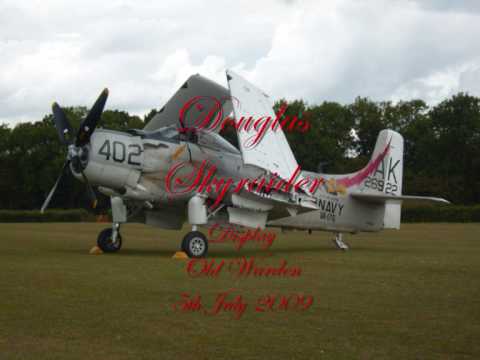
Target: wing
[(272, 151), (198, 96)]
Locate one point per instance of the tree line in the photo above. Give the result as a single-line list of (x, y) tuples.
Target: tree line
[(442, 147)]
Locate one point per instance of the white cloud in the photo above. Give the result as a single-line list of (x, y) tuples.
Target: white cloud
[(442, 84), (68, 51)]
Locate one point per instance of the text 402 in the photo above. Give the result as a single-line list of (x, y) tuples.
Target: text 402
[(119, 152)]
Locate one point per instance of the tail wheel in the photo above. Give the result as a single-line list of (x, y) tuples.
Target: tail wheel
[(106, 243), (195, 244)]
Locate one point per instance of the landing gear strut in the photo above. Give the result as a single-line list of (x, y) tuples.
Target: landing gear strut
[(339, 243), (110, 240), (195, 244)]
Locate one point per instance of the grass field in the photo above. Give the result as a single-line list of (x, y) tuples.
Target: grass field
[(409, 294)]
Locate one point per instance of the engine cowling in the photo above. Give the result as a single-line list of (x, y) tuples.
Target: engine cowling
[(115, 159)]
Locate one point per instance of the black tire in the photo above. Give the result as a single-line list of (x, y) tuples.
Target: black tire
[(183, 246), (195, 244), (104, 241)]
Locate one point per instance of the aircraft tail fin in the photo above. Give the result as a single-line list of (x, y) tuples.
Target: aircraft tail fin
[(383, 175), (388, 156), (383, 181), (384, 171)]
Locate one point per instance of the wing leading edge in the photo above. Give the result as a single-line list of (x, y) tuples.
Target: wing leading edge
[(206, 92)]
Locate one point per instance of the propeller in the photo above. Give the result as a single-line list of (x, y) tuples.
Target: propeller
[(62, 125), (50, 194), (88, 125), (77, 150)]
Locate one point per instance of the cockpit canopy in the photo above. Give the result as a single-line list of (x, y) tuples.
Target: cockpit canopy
[(203, 138)]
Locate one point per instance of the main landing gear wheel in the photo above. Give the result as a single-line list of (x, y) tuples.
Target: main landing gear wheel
[(106, 243), (195, 244)]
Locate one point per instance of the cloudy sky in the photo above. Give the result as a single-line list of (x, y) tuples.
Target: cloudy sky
[(316, 50)]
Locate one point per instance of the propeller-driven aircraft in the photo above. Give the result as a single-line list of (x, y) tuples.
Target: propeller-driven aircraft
[(174, 171)]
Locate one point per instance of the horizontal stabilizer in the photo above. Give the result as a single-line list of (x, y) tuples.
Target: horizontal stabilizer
[(382, 198)]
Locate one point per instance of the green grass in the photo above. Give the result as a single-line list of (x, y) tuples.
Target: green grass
[(409, 294)]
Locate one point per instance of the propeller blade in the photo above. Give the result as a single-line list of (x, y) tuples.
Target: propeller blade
[(88, 125), (50, 194), (62, 125), (90, 192)]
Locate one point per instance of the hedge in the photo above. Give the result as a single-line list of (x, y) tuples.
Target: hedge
[(441, 213), (75, 215)]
